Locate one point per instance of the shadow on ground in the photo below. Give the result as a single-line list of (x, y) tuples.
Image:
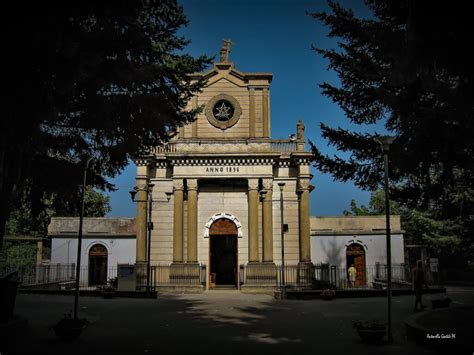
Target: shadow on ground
[(220, 322)]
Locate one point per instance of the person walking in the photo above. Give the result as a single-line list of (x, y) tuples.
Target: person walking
[(352, 275), (418, 281)]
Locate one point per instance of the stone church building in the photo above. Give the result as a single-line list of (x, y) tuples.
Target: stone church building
[(224, 173), (209, 201)]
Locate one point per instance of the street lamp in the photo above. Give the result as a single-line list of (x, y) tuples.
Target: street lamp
[(79, 239), (283, 290), (263, 194), (385, 142), (149, 224)]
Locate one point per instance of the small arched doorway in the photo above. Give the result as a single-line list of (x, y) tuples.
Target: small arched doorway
[(223, 253), (97, 265), (355, 255)]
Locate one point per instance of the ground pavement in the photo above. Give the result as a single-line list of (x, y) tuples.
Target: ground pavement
[(219, 322)]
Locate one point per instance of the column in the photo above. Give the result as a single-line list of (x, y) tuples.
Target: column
[(253, 220), (266, 121), (141, 199), (178, 221), (252, 112), (268, 221), (304, 224), (192, 220)]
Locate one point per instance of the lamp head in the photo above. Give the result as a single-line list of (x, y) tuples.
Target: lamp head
[(282, 186), (385, 142), (133, 193), (168, 195)]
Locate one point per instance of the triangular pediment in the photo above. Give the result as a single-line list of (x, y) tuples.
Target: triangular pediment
[(228, 72), (232, 76)]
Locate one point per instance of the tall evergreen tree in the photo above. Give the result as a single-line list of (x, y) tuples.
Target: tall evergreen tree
[(103, 79), (408, 66)]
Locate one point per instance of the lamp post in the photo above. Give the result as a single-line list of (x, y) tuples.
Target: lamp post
[(385, 142), (79, 240), (263, 194), (149, 225), (283, 286)]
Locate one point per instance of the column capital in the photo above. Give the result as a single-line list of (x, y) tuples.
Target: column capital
[(192, 184), (267, 184), (178, 184), (253, 184), (304, 183)]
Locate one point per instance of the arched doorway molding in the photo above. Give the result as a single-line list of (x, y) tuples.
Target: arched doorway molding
[(217, 216)]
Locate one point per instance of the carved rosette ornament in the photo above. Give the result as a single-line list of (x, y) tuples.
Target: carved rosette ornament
[(223, 111)]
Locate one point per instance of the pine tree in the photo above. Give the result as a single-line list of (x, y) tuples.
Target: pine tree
[(407, 66), (83, 79)]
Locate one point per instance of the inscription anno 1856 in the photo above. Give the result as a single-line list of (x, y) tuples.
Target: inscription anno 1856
[(222, 169)]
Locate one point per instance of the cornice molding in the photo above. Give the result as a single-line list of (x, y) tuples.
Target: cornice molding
[(221, 161)]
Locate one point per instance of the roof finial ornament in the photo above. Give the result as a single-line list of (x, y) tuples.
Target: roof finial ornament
[(225, 50)]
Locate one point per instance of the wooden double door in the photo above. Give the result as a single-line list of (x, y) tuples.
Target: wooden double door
[(355, 255), (223, 261)]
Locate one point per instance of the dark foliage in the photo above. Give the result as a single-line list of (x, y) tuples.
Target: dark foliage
[(409, 66), (103, 79)]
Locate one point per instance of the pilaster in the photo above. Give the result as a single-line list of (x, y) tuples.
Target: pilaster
[(304, 221), (252, 132), (266, 118), (141, 198), (194, 125)]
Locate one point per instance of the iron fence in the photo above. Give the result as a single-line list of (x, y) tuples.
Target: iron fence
[(297, 276), (321, 276), (61, 276)]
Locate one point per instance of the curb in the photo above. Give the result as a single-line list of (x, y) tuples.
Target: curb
[(316, 294), (92, 293)]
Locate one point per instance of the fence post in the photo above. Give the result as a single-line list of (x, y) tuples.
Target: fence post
[(332, 276)]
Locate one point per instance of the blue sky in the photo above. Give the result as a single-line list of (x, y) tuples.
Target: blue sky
[(272, 36)]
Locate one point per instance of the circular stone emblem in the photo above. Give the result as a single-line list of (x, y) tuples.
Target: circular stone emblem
[(223, 111)]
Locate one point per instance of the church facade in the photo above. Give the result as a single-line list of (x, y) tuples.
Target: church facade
[(222, 204), (213, 192)]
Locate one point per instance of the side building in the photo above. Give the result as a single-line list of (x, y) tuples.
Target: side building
[(106, 243), (340, 242)]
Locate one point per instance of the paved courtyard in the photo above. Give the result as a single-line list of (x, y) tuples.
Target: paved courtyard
[(218, 322)]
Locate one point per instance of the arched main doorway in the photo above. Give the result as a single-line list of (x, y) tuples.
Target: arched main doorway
[(223, 253), (97, 265), (355, 255)]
